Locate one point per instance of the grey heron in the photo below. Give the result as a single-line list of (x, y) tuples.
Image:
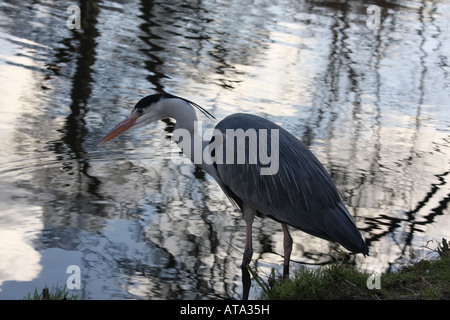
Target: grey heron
[(298, 193)]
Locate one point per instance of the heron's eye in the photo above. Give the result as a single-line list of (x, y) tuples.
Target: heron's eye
[(139, 112)]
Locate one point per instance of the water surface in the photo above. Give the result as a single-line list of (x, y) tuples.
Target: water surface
[(372, 104)]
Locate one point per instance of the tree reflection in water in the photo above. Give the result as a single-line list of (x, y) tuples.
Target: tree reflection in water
[(369, 103)]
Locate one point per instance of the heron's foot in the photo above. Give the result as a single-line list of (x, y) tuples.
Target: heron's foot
[(286, 270)]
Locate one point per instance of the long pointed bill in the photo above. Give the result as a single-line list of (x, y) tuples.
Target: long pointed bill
[(123, 126)]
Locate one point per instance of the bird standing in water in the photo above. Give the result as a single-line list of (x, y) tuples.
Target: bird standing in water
[(293, 189)]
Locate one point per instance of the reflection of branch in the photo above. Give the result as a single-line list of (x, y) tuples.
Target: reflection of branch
[(429, 195), (410, 216)]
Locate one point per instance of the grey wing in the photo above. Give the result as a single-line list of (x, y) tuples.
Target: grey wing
[(300, 193)]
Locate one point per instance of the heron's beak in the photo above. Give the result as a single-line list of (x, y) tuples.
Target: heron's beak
[(123, 126)]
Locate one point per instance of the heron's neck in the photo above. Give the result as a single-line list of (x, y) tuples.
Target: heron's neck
[(187, 135), (182, 112)]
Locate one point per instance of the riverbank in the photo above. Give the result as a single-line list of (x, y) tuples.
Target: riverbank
[(424, 279)]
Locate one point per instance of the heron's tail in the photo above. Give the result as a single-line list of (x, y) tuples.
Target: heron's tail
[(342, 229)]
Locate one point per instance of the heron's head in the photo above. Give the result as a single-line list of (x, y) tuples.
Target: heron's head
[(152, 108), (147, 110)]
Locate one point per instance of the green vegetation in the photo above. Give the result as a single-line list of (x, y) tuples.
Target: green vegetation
[(421, 280), (54, 294)]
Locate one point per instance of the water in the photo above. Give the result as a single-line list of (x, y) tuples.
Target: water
[(372, 104)]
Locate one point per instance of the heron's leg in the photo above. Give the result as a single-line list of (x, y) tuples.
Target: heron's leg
[(249, 215), (287, 245), (248, 252)]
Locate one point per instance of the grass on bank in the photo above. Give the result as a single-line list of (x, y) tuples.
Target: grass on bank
[(421, 280), (54, 294)]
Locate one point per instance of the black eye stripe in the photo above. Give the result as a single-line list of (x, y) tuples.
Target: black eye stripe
[(149, 100)]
